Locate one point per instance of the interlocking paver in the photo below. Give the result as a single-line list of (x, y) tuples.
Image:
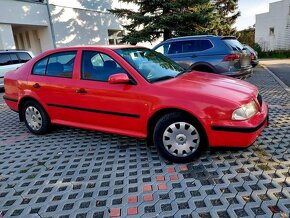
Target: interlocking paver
[(80, 173)]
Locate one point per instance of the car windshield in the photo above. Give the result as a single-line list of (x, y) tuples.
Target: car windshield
[(152, 65)]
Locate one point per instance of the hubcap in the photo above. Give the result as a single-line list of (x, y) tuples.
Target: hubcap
[(33, 118), (181, 139)]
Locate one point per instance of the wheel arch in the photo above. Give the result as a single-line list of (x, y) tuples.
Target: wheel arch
[(199, 66), (21, 103), (152, 121)]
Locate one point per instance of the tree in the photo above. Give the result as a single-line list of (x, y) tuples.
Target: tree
[(226, 13), (247, 36), (167, 18)]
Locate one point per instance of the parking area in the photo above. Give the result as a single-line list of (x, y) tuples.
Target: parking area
[(78, 173)]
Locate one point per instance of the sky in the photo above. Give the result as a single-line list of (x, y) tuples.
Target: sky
[(249, 8)]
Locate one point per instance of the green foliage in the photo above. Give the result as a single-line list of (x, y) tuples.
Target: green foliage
[(225, 15), (171, 18), (247, 36), (257, 47), (167, 18), (275, 54)]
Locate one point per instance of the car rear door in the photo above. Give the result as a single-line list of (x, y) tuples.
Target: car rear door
[(53, 84), (109, 107)]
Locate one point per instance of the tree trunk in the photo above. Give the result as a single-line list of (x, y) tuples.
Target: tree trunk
[(167, 34)]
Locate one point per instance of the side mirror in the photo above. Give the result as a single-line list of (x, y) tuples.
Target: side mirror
[(119, 78)]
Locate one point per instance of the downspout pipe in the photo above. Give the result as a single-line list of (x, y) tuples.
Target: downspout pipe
[(51, 24)]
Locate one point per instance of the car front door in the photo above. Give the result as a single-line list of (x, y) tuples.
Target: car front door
[(109, 107)]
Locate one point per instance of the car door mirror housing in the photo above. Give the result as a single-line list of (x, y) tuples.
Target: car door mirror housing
[(119, 78)]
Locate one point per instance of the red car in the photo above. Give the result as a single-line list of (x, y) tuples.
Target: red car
[(137, 92)]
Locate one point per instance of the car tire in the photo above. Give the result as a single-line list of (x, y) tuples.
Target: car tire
[(35, 117), (179, 138)]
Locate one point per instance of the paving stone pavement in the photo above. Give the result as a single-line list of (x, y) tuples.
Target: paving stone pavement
[(78, 173)]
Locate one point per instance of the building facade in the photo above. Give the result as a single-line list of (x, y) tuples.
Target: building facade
[(39, 25), (273, 28)]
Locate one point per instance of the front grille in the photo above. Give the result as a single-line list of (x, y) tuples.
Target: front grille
[(259, 98)]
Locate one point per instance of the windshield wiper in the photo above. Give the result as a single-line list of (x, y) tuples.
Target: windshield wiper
[(183, 72), (162, 78)]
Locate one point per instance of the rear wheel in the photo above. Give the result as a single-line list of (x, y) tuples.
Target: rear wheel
[(35, 117), (178, 137)]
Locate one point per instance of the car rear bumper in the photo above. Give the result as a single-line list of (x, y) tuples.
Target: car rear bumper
[(1, 82), (12, 103), (254, 63), (241, 73), (238, 133)]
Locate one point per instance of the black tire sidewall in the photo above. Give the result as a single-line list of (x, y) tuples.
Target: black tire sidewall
[(45, 119), (162, 125)]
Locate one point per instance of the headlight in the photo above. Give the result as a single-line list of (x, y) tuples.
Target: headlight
[(245, 112)]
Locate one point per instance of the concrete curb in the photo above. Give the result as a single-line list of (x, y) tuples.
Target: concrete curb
[(276, 78)]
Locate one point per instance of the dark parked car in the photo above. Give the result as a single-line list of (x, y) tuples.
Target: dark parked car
[(208, 53), (253, 55)]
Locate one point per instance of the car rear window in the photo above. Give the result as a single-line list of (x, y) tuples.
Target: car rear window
[(234, 44), (5, 59), (23, 56)]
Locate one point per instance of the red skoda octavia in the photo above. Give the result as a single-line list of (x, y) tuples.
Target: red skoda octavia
[(137, 92)]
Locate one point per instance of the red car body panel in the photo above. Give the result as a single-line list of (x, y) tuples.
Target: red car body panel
[(126, 109)]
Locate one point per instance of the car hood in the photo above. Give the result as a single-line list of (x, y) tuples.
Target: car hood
[(217, 86)]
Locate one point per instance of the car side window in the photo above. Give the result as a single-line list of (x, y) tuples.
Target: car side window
[(189, 46), (98, 66), (175, 48), (202, 45), (163, 49), (57, 65), (5, 59), (23, 56)]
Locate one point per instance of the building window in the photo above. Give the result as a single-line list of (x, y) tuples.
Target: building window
[(115, 36), (272, 31)]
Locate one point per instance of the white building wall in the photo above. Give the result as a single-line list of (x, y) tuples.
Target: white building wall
[(75, 26), (6, 37), (35, 27), (78, 22), (29, 26), (277, 18), (20, 12)]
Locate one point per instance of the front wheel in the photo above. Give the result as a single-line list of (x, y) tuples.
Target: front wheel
[(35, 117), (179, 138)]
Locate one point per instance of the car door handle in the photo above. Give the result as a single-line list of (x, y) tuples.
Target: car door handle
[(81, 91), (36, 85)]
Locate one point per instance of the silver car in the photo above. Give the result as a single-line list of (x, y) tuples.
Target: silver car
[(208, 53), (12, 59)]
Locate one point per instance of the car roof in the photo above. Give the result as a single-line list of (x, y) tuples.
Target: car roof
[(12, 50), (112, 47), (199, 36)]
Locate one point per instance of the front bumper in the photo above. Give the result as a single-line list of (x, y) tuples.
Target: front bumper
[(238, 133)]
